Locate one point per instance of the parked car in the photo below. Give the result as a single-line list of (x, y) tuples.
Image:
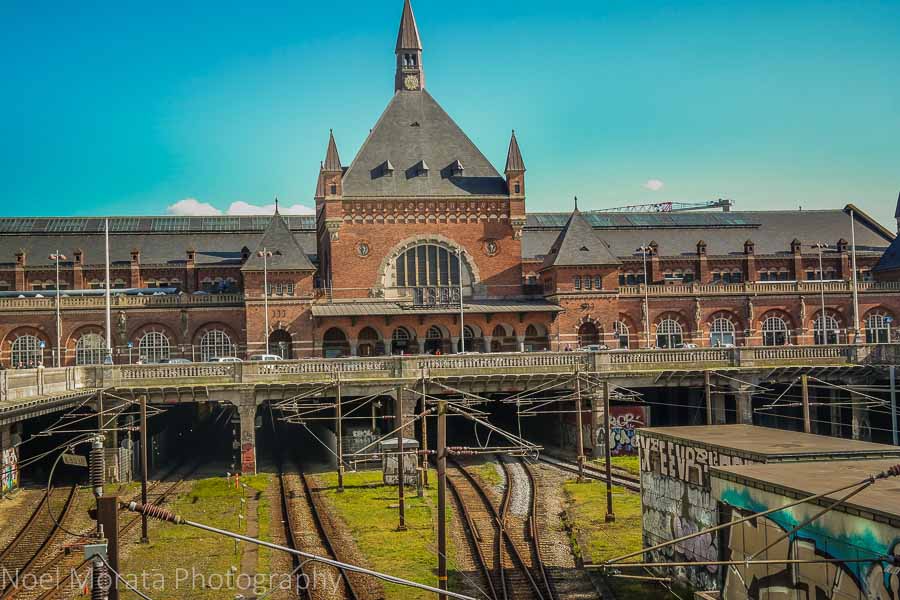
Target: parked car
[(174, 361), (686, 346), (265, 357), (593, 348), (225, 359)]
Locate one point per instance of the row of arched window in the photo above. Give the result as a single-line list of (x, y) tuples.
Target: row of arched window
[(90, 349)]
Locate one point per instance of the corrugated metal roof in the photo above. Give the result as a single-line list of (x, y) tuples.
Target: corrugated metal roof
[(163, 224)]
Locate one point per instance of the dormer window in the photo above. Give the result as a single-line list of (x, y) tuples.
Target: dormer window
[(422, 169), (584, 249), (387, 169), (456, 169)]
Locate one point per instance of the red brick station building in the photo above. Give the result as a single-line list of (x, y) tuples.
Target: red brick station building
[(418, 218)]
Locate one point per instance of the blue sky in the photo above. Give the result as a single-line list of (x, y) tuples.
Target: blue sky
[(130, 107)]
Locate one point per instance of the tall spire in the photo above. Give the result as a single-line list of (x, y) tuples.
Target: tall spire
[(897, 213), (332, 158), (410, 76), (514, 162)]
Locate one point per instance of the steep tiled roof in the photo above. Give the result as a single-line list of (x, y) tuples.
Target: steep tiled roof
[(408, 36), (413, 129), (332, 159), (578, 245), (286, 252)]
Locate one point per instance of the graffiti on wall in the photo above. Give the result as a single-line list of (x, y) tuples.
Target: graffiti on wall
[(835, 535), (624, 422), (682, 461), (9, 470)]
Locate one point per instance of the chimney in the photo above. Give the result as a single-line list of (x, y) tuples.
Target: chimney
[(136, 268)]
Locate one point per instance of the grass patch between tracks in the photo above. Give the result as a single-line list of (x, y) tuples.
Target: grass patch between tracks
[(184, 562), (596, 540), (370, 510), (626, 462)]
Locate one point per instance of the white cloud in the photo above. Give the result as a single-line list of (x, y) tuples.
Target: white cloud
[(191, 207), (654, 185), (245, 208)]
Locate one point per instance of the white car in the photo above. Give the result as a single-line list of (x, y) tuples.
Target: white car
[(226, 359), (265, 357)]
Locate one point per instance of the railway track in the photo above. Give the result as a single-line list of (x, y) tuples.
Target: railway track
[(305, 530), (619, 478), (39, 536), (506, 546), (64, 562)]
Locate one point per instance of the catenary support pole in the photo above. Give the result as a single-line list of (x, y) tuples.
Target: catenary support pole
[(338, 429), (442, 495), (145, 535), (807, 424), (894, 405), (424, 446), (401, 476), (108, 518), (579, 433), (607, 428)]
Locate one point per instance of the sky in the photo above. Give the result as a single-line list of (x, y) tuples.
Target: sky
[(212, 107)]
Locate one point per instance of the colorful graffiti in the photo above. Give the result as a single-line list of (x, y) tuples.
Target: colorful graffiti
[(9, 471), (835, 535), (624, 421), (682, 461)]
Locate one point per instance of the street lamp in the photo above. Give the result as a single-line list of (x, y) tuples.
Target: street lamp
[(462, 325), (56, 257), (265, 254), (645, 250), (821, 248)]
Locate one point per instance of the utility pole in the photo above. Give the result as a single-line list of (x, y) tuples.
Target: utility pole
[(400, 474), (462, 307), (807, 425), (338, 416), (108, 520), (853, 280), (579, 436), (442, 495), (145, 535), (424, 447), (709, 404), (894, 405), (610, 514), (265, 254)]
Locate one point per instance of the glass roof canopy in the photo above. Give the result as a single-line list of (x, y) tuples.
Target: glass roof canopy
[(171, 224), (640, 220)]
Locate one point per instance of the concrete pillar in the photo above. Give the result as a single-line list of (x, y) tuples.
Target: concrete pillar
[(595, 401), (487, 343), (718, 406), (834, 412), (454, 345), (860, 427), (520, 340), (247, 432), (354, 347), (9, 459)]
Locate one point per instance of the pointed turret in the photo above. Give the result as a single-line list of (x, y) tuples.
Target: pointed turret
[(332, 158), (578, 245), (331, 172), (410, 76), (897, 213), (515, 168), (282, 251)]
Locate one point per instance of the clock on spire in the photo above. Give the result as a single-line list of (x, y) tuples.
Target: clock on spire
[(410, 76)]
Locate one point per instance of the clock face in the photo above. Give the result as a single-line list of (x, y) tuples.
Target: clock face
[(411, 82)]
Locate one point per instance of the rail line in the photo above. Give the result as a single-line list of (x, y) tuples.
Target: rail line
[(502, 555), (628, 482), (153, 497), (312, 536), (39, 535)]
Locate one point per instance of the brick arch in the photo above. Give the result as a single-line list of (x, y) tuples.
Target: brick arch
[(880, 309), (676, 316), (210, 325), (739, 323), (838, 314), (72, 340), (139, 332), (777, 312), (404, 245), (18, 332)]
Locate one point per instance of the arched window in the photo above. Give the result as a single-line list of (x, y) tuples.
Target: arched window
[(26, 351), (775, 332), (588, 335), (335, 344), (90, 349), (577, 282), (878, 328), (400, 341), (369, 343), (427, 264), (622, 333), (826, 333), (721, 333), (215, 343), (434, 340), (154, 347), (669, 334)]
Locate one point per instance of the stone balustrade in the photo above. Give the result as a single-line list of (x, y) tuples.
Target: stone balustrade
[(22, 384), (759, 288), (121, 301)]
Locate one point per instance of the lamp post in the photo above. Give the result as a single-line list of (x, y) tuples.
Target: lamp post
[(56, 257), (462, 325), (265, 254), (644, 250), (821, 248), (853, 279)]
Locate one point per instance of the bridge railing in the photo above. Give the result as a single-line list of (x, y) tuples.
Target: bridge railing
[(33, 383)]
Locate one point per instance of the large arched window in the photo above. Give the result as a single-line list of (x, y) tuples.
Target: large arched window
[(775, 332), (588, 334), (368, 343), (826, 333), (878, 328), (622, 334), (669, 334), (90, 349), (154, 347), (335, 344), (721, 333), (400, 341), (26, 351), (427, 264), (215, 343)]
